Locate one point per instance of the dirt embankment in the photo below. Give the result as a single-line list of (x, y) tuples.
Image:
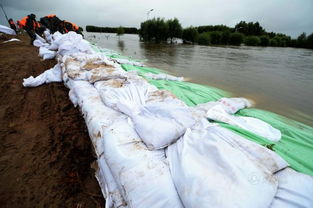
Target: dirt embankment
[(45, 150)]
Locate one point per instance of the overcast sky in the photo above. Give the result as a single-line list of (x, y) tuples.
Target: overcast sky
[(291, 17)]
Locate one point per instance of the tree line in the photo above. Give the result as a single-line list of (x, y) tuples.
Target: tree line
[(251, 34), (128, 30)]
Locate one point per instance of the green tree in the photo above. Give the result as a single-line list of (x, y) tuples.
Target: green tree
[(273, 42), (154, 29), (215, 37), (252, 41), (190, 34), (309, 41), (225, 37), (301, 40), (204, 39), (120, 31), (264, 40), (175, 29), (236, 38)]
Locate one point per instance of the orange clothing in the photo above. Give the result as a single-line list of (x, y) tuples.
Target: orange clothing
[(22, 22), (75, 27), (51, 15)]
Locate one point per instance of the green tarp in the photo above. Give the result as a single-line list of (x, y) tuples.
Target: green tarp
[(296, 144)]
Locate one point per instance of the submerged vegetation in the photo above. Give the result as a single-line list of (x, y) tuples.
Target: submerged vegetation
[(251, 34), (128, 30), (248, 33)]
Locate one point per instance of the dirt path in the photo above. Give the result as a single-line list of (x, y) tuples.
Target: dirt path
[(45, 151)]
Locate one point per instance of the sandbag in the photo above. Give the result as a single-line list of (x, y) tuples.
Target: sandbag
[(210, 169), (12, 40), (46, 53), (158, 124), (142, 175), (50, 75), (7, 30), (217, 113), (294, 190), (108, 185), (163, 76)]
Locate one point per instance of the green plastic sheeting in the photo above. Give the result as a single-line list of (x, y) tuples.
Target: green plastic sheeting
[(296, 144), (190, 93), (141, 70)]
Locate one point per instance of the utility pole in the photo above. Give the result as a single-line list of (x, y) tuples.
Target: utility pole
[(4, 13)]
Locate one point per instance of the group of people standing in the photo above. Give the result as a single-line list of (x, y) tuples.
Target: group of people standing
[(52, 22)]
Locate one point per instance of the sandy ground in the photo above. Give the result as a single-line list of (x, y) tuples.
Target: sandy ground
[(45, 150)]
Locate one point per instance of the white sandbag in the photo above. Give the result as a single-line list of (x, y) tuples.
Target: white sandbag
[(91, 68), (38, 43), (46, 53), (71, 43), (97, 116), (209, 169), (50, 75), (126, 61), (48, 35), (7, 30), (294, 190), (112, 95), (158, 124), (230, 105), (38, 37), (12, 40), (164, 77), (217, 113), (113, 197), (143, 176)]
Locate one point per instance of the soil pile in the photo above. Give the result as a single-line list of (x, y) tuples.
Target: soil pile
[(45, 150)]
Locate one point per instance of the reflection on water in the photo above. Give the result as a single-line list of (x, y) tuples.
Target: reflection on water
[(121, 45), (277, 79)]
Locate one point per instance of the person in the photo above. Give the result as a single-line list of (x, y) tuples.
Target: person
[(12, 24), (51, 21), (67, 26), (30, 24)]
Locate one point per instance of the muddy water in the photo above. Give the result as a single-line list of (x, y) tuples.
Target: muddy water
[(277, 79)]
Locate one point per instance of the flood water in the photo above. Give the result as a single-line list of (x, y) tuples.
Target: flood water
[(277, 79)]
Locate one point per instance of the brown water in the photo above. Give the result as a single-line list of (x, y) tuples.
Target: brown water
[(277, 79)]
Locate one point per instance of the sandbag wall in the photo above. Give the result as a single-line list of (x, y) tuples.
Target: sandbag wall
[(155, 151)]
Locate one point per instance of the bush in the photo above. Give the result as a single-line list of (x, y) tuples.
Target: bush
[(128, 30), (225, 37), (273, 42), (252, 41), (236, 38), (301, 40), (204, 39), (265, 40), (215, 37), (191, 34), (309, 41), (158, 29)]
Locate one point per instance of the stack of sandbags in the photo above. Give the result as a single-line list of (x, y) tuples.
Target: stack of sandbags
[(132, 124)]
